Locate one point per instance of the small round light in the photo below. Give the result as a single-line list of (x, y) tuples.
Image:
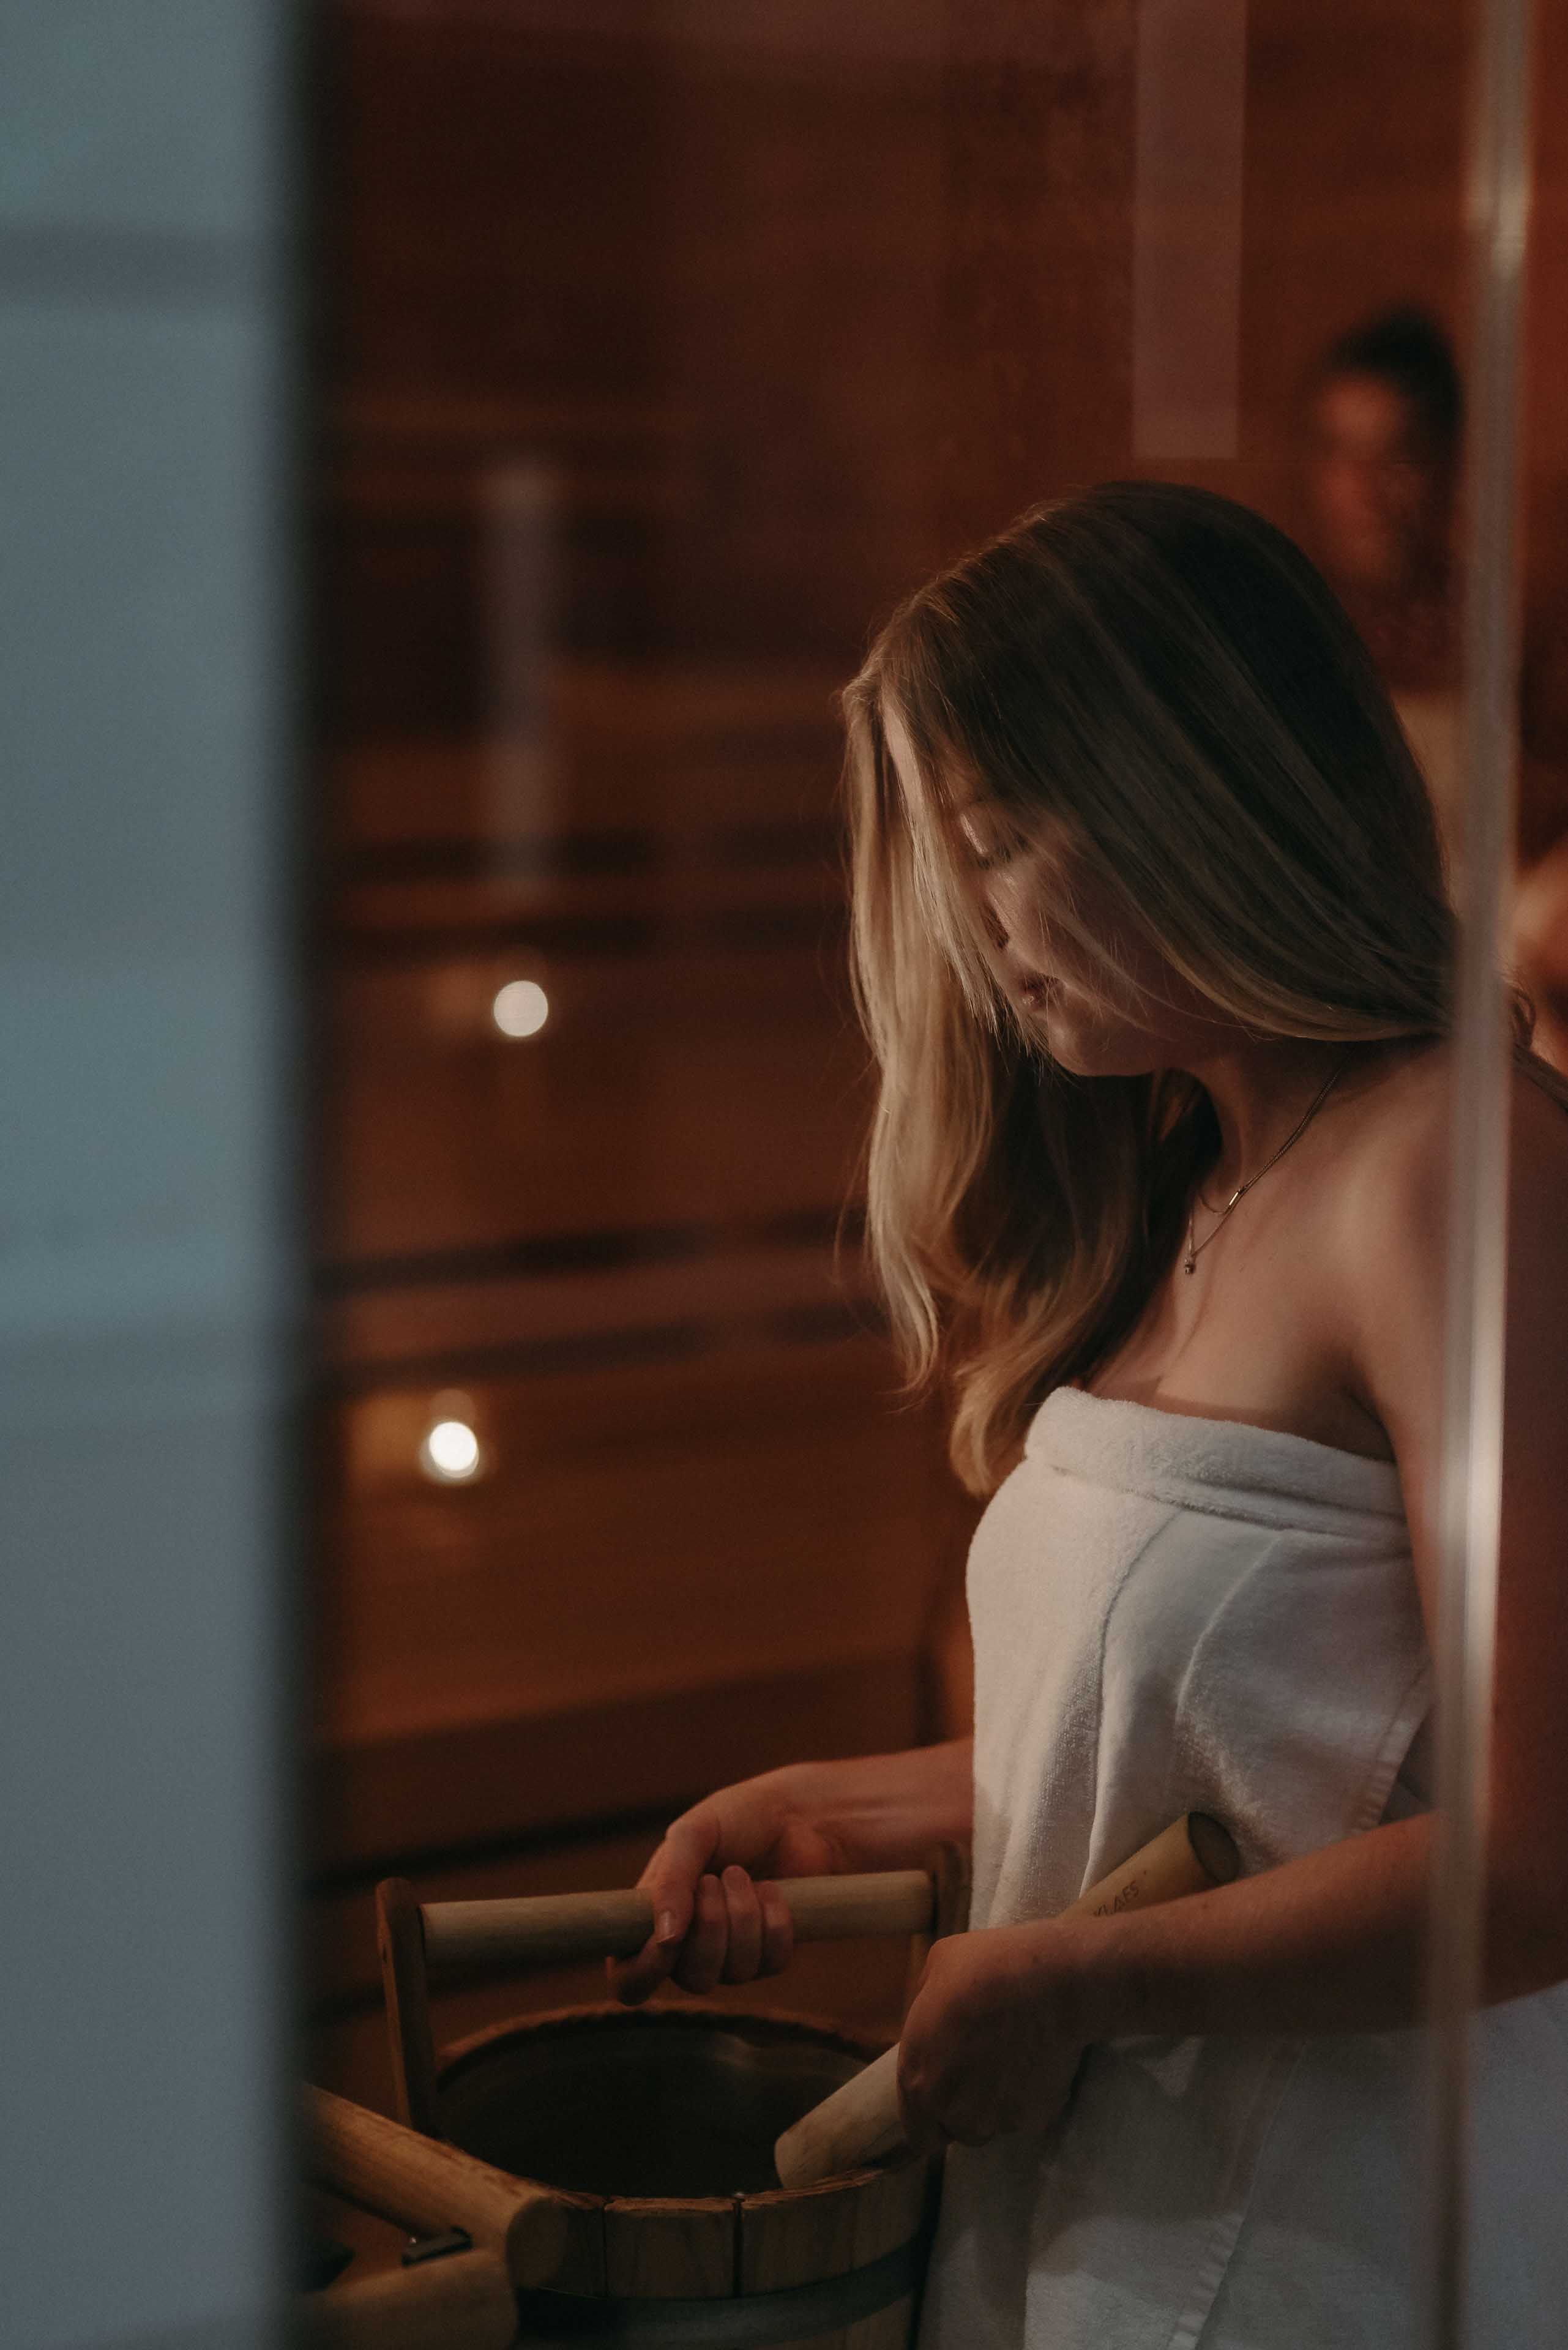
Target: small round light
[(521, 1008), (449, 1452)]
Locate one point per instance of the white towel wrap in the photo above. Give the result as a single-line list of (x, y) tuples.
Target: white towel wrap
[(1172, 1613)]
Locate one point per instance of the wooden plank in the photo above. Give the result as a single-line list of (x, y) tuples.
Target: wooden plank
[(908, 2210), (400, 1943), (478, 1781), (609, 1595), (634, 744), (731, 1120), (504, 894), (439, 1303), (601, 1412), (801, 2235), (671, 2248), (657, 1495)]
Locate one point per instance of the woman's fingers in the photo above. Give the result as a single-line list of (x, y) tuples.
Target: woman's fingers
[(631, 1980), (743, 1918), (711, 1924), (778, 1930), (921, 2130), (701, 1963), (670, 1881), (691, 1846)]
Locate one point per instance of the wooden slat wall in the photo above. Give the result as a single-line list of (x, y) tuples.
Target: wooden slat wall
[(720, 1515), (605, 513)]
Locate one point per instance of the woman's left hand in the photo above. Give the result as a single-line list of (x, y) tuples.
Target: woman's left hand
[(989, 2043)]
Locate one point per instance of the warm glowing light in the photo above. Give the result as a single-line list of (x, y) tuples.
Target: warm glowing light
[(449, 1452), (521, 1008)]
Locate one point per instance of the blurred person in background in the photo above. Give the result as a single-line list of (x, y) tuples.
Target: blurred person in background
[(1386, 412), (1155, 956)]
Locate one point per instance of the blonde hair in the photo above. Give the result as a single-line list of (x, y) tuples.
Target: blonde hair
[(1163, 680)]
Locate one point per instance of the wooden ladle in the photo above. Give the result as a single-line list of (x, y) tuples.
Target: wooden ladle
[(860, 2123)]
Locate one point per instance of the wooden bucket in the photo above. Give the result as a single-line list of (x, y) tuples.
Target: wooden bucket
[(648, 2132)]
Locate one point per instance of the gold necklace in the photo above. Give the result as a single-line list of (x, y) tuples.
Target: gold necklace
[(1190, 1261)]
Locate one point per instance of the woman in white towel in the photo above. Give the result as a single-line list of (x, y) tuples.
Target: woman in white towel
[(1154, 954)]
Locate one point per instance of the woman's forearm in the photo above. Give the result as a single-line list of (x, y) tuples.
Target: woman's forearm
[(1334, 1942), (887, 1811)]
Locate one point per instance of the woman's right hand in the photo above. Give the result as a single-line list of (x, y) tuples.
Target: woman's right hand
[(718, 1914)]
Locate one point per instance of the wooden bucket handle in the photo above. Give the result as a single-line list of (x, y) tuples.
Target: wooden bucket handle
[(554, 1928)]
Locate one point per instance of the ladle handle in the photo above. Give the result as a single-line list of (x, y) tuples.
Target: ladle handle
[(399, 2174), (464, 2302), (551, 1929), (860, 2123)]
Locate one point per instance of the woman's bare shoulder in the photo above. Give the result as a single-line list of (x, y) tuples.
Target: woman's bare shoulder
[(1401, 1124), (1393, 1246), (1399, 1166), (1393, 1131)]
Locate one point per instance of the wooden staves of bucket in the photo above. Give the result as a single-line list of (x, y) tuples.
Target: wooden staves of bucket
[(618, 2162)]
